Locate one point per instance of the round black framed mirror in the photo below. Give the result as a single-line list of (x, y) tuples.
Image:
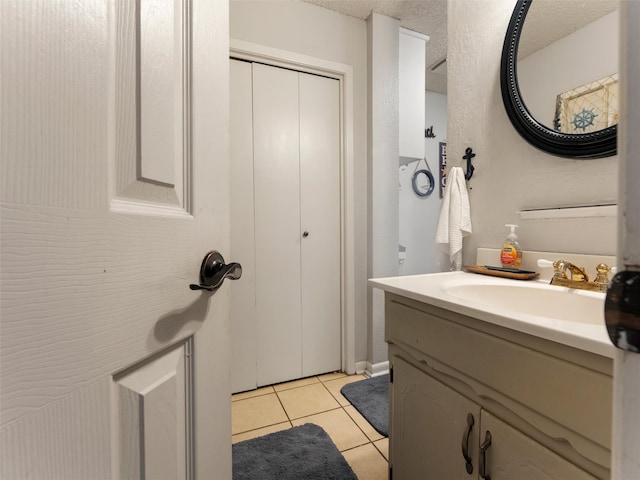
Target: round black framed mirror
[(596, 144)]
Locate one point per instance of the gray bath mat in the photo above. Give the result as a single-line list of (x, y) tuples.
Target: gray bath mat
[(299, 453), (371, 398)]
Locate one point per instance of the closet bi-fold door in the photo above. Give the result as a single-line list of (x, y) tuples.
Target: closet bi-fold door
[(285, 150), (320, 218), (276, 166)]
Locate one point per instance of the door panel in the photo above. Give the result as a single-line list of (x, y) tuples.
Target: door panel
[(97, 256), (152, 109), (161, 88), (154, 402), (320, 218), (244, 355), (277, 223)]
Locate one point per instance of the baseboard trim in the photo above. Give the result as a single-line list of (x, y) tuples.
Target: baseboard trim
[(361, 368), (376, 369)]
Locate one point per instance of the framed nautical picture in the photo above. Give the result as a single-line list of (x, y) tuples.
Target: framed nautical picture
[(443, 166), (588, 108)]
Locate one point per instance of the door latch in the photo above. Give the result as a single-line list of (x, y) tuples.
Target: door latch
[(213, 271)]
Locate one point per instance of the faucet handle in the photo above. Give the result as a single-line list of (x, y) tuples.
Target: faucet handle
[(543, 263), (602, 277)]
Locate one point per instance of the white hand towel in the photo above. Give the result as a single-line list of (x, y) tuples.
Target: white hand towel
[(455, 217)]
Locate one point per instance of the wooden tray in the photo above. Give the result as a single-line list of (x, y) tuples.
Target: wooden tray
[(516, 275)]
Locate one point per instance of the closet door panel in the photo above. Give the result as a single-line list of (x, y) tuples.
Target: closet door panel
[(243, 296), (277, 223), (320, 218)]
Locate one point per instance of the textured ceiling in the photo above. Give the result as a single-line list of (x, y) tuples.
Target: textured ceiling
[(428, 17), (547, 21)]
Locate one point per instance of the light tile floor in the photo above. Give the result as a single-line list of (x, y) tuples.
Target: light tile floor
[(314, 400)]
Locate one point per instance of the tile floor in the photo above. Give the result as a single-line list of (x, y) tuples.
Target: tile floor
[(314, 400)]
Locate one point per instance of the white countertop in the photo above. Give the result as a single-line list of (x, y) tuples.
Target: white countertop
[(435, 289)]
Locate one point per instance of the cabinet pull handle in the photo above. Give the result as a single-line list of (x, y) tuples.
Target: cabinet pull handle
[(465, 444), (483, 456)]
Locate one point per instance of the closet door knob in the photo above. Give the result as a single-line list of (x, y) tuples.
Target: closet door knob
[(305, 234)]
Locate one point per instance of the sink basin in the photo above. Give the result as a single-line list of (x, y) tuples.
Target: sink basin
[(534, 299), (563, 315)]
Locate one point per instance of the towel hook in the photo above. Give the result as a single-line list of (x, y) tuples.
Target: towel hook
[(468, 155)]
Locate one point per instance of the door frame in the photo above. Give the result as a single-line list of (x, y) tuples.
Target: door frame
[(344, 74)]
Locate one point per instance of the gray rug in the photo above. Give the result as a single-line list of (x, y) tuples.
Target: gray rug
[(371, 398), (299, 453)]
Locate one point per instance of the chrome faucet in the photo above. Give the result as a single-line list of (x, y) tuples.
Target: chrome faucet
[(578, 277)]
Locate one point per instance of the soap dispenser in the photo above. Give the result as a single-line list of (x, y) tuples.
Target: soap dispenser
[(511, 254)]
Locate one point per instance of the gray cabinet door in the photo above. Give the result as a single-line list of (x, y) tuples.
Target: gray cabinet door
[(513, 454), (429, 426)]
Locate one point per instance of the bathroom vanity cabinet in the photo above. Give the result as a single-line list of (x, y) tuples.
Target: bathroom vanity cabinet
[(470, 400)]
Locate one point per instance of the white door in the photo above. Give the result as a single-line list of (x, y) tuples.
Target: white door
[(114, 186), (277, 221), (285, 149), (320, 224), (626, 386)]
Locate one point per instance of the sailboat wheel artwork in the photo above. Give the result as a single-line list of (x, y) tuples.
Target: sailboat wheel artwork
[(584, 119)]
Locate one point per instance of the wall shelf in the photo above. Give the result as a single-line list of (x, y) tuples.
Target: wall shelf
[(569, 212)]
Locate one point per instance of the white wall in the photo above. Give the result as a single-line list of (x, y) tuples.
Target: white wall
[(418, 216), (383, 58), (594, 55), (314, 31), (510, 174)]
